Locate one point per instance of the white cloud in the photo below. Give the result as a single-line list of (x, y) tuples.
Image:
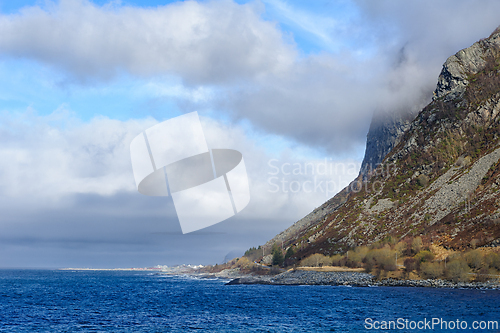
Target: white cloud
[(68, 184), (68, 181), (176, 90), (225, 57), (204, 43), (47, 159)]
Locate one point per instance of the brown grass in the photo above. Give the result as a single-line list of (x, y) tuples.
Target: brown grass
[(330, 269)]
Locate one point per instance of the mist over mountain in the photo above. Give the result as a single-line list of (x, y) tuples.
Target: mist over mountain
[(436, 175)]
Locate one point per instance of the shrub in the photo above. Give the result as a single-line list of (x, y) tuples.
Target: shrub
[(463, 161), (243, 262), (474, 259), (408, 251), (416, 245), (389, 240), (424, 256), (369, 265), (316, 260), (458, 270), (431, 270), (474, 242), (384, 258), (483, 275), (492, 259), (423, 180), (401, 248), (410, 264), (274, 270), (338, 260), (357, 256)]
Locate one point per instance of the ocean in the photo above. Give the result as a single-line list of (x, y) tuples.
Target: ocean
[(136, 301)]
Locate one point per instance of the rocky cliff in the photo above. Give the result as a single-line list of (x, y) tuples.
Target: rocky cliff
[(440, 178), (459, 68), (386, 129)]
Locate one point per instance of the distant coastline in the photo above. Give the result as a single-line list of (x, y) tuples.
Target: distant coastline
[(180, 269), (106, 269)]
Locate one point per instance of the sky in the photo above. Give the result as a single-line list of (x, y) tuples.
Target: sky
[(292, 85)]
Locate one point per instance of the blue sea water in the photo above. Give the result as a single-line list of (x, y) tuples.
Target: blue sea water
[(128, 301)]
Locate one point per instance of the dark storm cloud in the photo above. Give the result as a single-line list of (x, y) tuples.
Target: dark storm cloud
[(124, 230), (67, 198)]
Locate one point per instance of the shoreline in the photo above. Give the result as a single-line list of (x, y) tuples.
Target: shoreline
[(357, 279), (311, 277)]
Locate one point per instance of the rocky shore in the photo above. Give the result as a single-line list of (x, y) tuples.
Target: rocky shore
[(360, 279)]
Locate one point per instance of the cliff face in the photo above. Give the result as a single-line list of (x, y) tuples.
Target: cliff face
[(385, 132), (458, 69), (441, 177)]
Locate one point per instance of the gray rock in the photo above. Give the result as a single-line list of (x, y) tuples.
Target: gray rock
[(386, 130), (299, 277), (456, 70)]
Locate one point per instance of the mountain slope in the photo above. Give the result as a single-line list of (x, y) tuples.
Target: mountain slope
[(441, 180), (385, 132)]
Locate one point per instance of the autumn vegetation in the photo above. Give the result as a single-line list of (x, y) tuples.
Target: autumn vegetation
[(407, 259)]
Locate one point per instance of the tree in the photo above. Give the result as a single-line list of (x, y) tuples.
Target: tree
[(277, 256), (431, 270), (401, 248), (474, 259), (424, 256), (416, 245), (290, 252), (357, 256), (316, 260), (458, 270), (493, 260), (410, 264)]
